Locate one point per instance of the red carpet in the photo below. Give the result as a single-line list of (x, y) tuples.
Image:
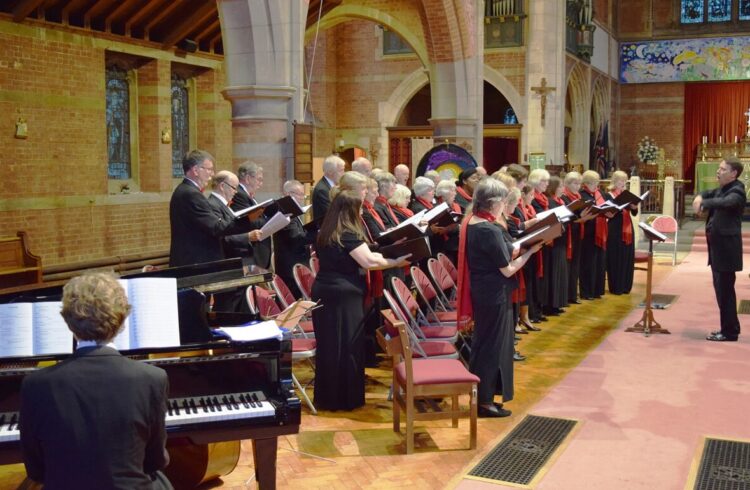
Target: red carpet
[(645, 403)]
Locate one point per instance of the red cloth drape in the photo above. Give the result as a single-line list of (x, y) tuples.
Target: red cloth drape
[(712, 109), (627, 223)]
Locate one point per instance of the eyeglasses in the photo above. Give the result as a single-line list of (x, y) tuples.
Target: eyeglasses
[(230, 186), (209, 169)]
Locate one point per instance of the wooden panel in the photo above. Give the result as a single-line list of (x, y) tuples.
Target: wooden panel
[(303, 152)]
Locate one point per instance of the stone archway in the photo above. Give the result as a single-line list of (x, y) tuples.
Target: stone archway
[(580, 111)]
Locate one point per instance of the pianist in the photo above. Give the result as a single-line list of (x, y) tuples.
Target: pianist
[(97, 419)]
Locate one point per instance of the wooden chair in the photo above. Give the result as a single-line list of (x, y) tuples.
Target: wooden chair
[(429, 379), (431, 343)]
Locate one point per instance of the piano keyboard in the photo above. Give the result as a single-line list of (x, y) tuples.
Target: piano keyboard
[(192, 410), (9, 430), (217, 408)]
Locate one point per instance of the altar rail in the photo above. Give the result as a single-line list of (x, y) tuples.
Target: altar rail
[(654, 202)]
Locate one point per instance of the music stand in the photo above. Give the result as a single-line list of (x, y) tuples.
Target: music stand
[(647, 324)]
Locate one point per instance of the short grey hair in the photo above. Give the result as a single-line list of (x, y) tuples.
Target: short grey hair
[(384, 179), (571, 177), (401, 196), (422, 185), (536, 176), (362, 165), (331, 164), (290, 185), (444, 188), (248, 169), (195, 157), (486, 193)]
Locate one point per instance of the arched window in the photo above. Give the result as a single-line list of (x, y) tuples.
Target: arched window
[(118, 123), (180, 123)]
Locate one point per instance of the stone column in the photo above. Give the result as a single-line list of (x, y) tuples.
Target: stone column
[(154, 116), (263, 42), (546, 59)]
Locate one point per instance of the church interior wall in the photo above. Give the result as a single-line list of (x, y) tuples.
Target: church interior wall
[(55, 185)]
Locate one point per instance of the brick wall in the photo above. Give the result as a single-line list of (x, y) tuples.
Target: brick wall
[(55, 183), (655, 110)]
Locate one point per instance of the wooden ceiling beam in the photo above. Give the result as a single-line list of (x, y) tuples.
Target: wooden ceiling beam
[(188, 24), (213, 41), (158, 18), (96, 9), (150, 7), (24, 8), (209, 30), (125, 6), (72, 6)]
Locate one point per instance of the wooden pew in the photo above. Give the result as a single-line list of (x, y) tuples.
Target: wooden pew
[(18, 266)]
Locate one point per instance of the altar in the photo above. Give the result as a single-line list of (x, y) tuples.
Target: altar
[(709, 156)]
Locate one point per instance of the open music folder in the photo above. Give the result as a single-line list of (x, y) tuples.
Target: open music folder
[(419, 248), (651, 232), (543, 234)]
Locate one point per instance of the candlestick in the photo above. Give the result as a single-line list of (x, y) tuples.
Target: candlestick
[(720, 139), (705, 140), (736, 138)]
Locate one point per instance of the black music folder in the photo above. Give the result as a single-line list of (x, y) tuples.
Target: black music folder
[(627, 197), (419, 248), (543, 234), (548, 220), (250, 209), (286, 205), (408, 231)]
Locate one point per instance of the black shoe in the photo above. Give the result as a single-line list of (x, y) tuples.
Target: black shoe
[(521, 330), (532, 328), (720, 337), (517, 356), (493, 411), (575, 302)]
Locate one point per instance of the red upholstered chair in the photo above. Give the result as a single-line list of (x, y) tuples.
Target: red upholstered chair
[(303, 349), (668, 226), (429, 379), (427, 293), (283, 293), (250, 298), (414, 318), (423, 347), (314, 265), (449, 266), (304, 278), (446, 287)]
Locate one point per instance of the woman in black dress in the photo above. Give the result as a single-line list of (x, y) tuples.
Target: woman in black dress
[(556, 266), (486, 267), (594, 242), (620, 244), (340, 286), (574, 234), (539, 180)]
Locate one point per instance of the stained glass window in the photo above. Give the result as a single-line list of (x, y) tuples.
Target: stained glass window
[(744, 10), (180, 123), (719, 10), (118, 123), (510, 117), (691, 11)]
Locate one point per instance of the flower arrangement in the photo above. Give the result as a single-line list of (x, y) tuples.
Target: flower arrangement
[(647, 150)]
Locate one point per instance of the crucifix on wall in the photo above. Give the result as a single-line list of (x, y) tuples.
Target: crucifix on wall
[(542, 91)]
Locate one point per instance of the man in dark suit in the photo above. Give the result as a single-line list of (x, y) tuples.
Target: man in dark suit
[(725, 206), (250, 177), (224, 186), (196, 230), (333, 169), (291, 244), (97, 419)]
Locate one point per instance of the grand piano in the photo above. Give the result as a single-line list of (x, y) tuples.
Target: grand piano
[(221, 391)]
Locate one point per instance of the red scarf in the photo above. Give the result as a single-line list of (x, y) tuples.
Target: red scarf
[(519, 293), (455, 208), (461, 192), (600, 237), (382, 200), (627, 227), (374, 279), (464, 310), (369, 208), (405, 211), (541, 199), (574, 196), (424, 203)]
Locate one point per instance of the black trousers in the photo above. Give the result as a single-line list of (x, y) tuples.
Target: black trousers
[(727, 301)]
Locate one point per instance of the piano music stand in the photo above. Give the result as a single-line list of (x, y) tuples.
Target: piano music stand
[(647, 324)]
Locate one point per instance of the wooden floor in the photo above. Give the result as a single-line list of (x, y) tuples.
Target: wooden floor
[(358, 449)]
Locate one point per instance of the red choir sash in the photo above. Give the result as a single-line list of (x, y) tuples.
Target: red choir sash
[(600, 237), (384, 201), (405, 211), (569, 245), (627, 227), (541, 199), (460, 190), (424, 203), (374, 279), (369, 208), (519, 293), (463, 305)]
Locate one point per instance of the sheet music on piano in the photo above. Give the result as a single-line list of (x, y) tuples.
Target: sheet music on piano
[(153, 319), (29, 329)]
